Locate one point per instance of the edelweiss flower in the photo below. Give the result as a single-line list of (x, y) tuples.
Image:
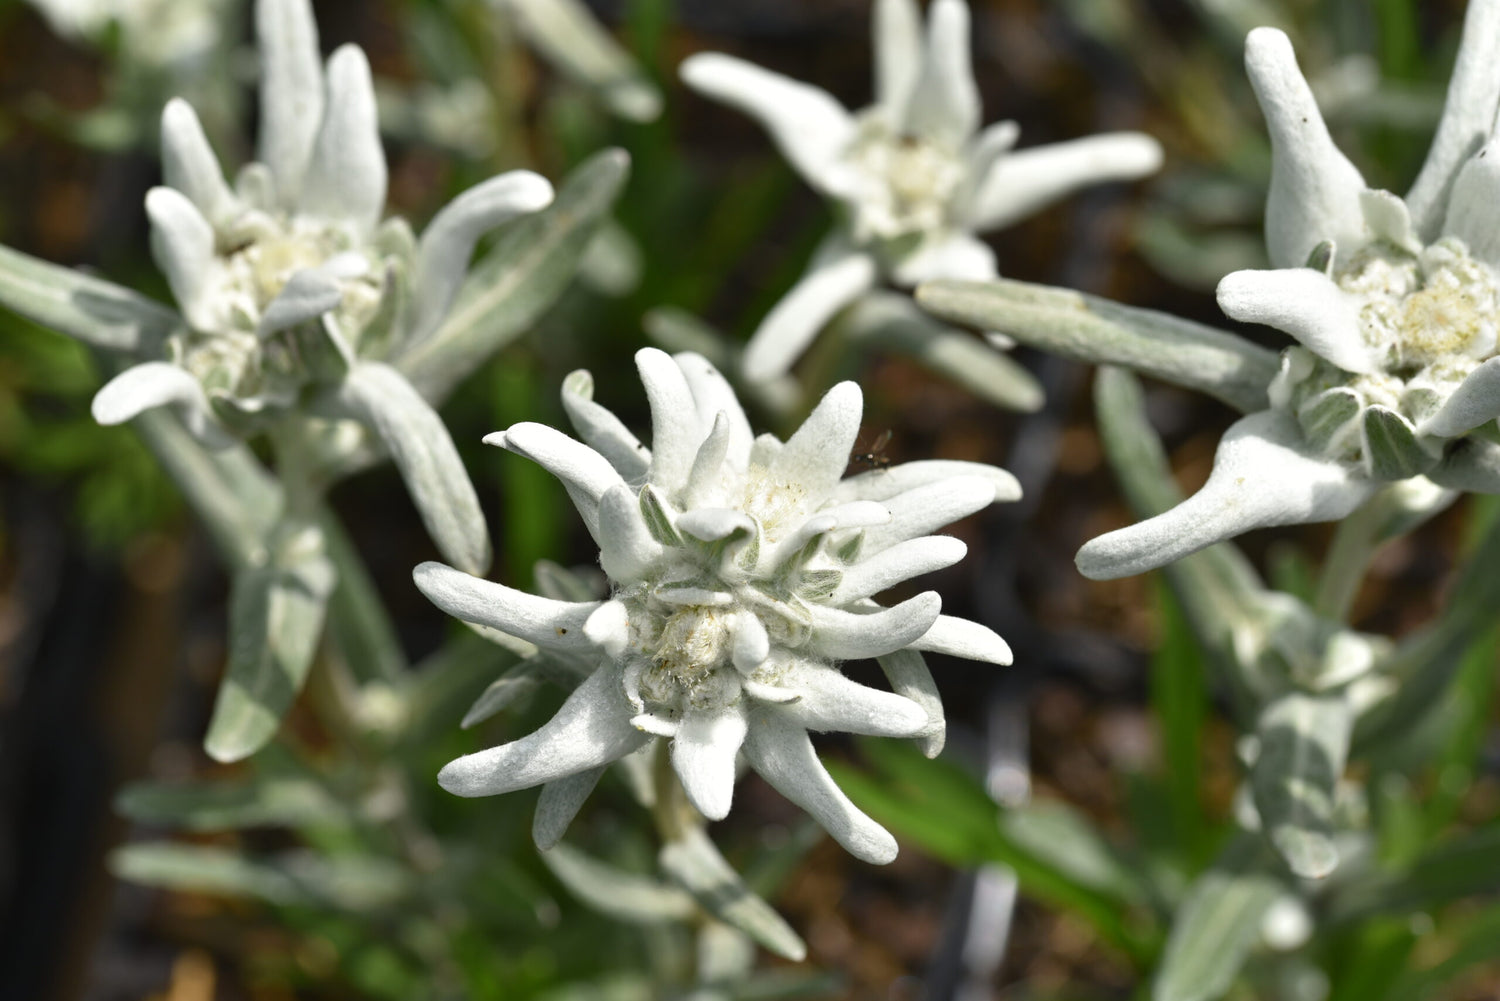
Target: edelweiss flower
[(1395, 304), (288, 278), (914, 175), (741, 572)]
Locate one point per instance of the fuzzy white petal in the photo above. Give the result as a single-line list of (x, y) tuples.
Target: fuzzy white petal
[(550, 624), (900, 562), (608, 627), (675, 433), (591, 729), (182, 241), (831, 702), (815, 456), (1468, 116), (781, 753), (1474, 206), (559, 803), (924, 509), (849, 635), (291, 91), (703, 753), (306, 295), (882, 484), (154, 384), (626, 549), (752, 644), (964, 638), (1306, 304), (448, 241), (1026, 181), (710, 524), (713, 395), (707, 473), (1476, 401), (1471, 465), (188, 162), (794, 321), (809, 127), (1261, 478), (601, 429), (958, 256), (944, 102), (907, 672), (1314, 188), (346, 176), (897, 36), (586, 474)]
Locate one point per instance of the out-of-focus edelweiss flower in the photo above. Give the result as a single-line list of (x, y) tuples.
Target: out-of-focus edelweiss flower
[(1395, 305), (741, 571), (289, 279), (914, 175)]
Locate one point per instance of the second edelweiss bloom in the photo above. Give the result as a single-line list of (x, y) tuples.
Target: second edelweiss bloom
[(741, 572), (1395, 305), (914, 174)]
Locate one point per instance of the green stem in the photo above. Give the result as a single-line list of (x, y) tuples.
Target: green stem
[(1354, 544), (673, 814)]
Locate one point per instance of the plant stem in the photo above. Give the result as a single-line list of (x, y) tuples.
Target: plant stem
[(1354, 544)]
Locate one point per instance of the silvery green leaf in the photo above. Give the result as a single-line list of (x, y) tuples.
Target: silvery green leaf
[(695, 864), (554, 580), (98, 313), (1304, 744), (381, 398), (448, 241), (1214, 930), (890, 320), (350, 883), (566, 33), (218, 806), (144, 387), (228, 488), (308, 293), (1213, 585), (1064, 839), (1094, 330), (516, 684), (559, 803), (518, 280), (613, 263), (725, 955), (907, 672), (275, 622), (1392, 451), (624, 896)]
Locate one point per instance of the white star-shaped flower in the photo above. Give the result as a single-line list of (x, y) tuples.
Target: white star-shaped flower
[(1394, 303), (741, 573), (288, 276), (914, 174)]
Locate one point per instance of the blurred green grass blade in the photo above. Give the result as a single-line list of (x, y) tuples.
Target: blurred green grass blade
[(1373, 961), (276, 617), (1471, 704), (216, 806), (1179, 698), (1462, 866), (536, 510), (1470, 946), (1056, 854), (1216, 926), (693, 863), (515, 283), (89, 309)]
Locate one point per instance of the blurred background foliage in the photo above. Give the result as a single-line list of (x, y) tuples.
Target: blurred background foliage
[(1094, 779)]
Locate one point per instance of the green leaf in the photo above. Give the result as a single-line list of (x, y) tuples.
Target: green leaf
[(1179, 698), (1392, 451), (1304, 744), (518, 683), (624, 896), (566, 32), (1089, 329), (275, 622), (92, 310), (891, 321), (695, 864), (1215, 928), (299, 878), (1460, 867), (204, 806), (518, 280)]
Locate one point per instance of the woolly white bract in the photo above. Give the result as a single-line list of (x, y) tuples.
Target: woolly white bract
[(288, 277), (1395, 304), (741, 572), (914, 174)]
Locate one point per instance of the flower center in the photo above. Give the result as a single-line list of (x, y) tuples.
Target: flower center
[(1430, 318), (904, 185)]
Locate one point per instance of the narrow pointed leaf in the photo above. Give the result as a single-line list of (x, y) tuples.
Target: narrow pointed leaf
[(1304, 743), (101, 314), (624, 896), (1212, 934), (695, 864)]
